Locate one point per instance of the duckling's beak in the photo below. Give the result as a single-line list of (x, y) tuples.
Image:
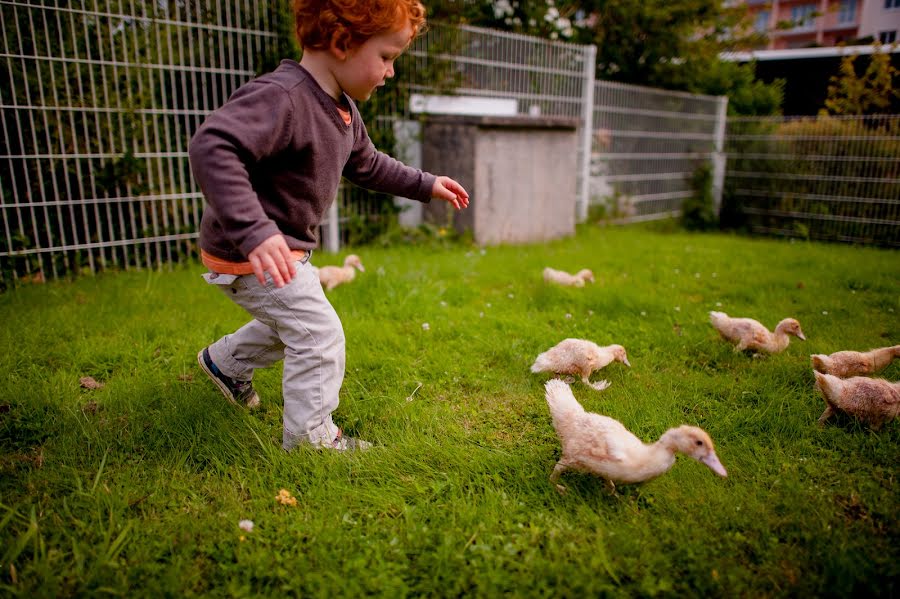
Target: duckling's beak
[(626, 362), (361, 268), (801, 336), (713, 463)]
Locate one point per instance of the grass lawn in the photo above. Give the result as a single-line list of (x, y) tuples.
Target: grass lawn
[(137, 488)]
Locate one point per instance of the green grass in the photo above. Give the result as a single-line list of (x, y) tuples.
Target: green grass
[(137, 488)]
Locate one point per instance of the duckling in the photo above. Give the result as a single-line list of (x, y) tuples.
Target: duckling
[(853, 363), (332, 276), (581, 357), (603, 446), (750, 334), (560, 277), (872, 401)]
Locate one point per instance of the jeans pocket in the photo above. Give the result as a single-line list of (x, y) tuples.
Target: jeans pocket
[(217, 278)]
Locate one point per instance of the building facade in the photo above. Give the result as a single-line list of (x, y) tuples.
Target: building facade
[(808, 23)]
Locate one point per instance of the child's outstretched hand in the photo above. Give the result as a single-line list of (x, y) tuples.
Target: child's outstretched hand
[(449, 190)]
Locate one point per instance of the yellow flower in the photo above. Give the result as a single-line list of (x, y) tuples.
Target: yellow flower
[(285, 498)]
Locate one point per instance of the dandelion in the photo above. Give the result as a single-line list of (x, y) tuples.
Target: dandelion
[(425, 326), (284, 497), (443, 304), (242, 538), (568, 315), (643, 313), (246, 525), (825, 312), (488, 304), (510, 295), (591, 312), (678, 308)]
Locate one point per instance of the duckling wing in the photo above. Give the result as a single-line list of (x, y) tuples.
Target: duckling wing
[(608, 439)]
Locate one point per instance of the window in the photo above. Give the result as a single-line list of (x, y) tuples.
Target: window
[(847, 11), (761, 23), (887, 37), (803, 15), (892, 3)]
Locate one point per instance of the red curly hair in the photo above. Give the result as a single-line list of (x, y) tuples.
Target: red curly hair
[(349, 23)]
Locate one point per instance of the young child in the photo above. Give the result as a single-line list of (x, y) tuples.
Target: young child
[(269, 162)]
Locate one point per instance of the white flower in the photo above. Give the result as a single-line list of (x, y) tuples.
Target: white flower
[(481, 314), (246, 525), (483, 252), (425, 326), (677, 271), (443, 304), (696, 275), (678, 308), (591, 312), (568, 315), (714, 275), (643, 313), (825, 312), (488, 304), (510, 295), (718, 304)]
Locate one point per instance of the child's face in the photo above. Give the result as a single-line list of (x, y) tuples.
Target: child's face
[(368, 66)]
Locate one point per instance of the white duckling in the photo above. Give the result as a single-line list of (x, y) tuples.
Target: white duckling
[(332, 276), (751, 335), (853, 363), (580, 357), (872, 401), (603, 446), (551, 275)]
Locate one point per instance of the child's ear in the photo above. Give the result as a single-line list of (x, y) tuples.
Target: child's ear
[(340, 43)]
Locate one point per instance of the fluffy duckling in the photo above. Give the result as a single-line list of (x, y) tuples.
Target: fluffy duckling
[(332, 276), (853, 363), (603, 446), (560, 277), (579, 357), (873, 401), (749, 334)]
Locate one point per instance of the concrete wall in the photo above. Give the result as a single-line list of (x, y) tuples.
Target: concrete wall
[(520, 173)]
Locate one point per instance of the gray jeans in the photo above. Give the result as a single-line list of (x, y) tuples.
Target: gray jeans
[(297, 324)]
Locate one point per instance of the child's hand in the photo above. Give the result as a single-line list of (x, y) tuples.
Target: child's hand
[(273, 256), (449, 190)]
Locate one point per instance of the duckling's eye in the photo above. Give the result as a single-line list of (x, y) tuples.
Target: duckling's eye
[(699, 442)]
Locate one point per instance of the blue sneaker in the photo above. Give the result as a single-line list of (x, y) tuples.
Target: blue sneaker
[(240, 393)]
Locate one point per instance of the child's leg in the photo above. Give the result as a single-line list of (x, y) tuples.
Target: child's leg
[(254, 345), (298, 321)]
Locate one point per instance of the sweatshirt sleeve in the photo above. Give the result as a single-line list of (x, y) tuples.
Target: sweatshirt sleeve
[(375, 170), (254, 123)]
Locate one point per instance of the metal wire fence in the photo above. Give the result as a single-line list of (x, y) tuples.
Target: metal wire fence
[(100, 97), (829, 178), (648, 144), (99, 100)]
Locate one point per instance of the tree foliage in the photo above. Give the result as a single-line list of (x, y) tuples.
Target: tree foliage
[(672, 44), (871, 92)]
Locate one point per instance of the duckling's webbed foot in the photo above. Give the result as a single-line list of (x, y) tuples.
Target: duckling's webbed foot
[(598, 386), (568, 379), (554, 476), (610, 486), (829, 411)]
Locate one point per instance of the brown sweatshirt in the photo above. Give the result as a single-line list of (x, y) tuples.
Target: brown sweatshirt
[(271, 158)]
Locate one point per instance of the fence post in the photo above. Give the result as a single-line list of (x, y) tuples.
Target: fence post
[(587, 133), (718, 156), (331, 233)]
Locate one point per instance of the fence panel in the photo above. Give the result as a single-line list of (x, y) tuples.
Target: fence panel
[(99, 100), (829, 178), (647, 145)]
